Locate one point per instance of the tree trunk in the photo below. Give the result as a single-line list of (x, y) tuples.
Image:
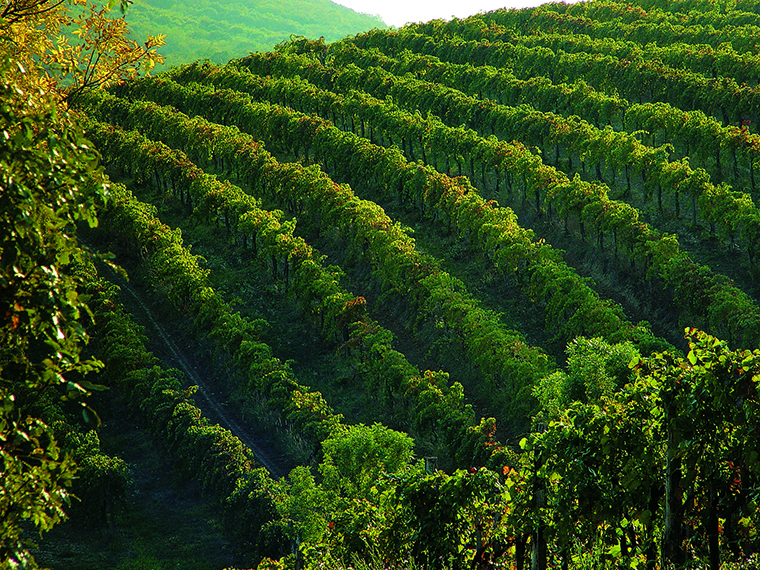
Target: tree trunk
[(672, 539), (712, 528), (520, 551)]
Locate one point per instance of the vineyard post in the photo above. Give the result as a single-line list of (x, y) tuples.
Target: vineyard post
[(672, 535)]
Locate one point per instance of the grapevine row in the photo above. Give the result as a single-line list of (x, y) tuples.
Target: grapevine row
[(316, 288), (733, 213), (624, 13), (701, 295), (385, 119), (686, 6), (570, 306), (502, 356), (222, 464), (608, 215), (267, 514), (642, 81), (544, 19), (177, 272), (691, 132), (720, 61)]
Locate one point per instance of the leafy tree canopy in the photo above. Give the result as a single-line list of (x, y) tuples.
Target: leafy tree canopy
[(51, 51), (46, 178), (71, 46)]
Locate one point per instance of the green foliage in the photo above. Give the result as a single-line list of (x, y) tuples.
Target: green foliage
[(217, 459), (709, 401), (48, 171), (719, 306), (570, 304), (102, 486), (453, 521), (602, 461), (662, 458), (317, 288), (220, 31), (595, 370), (306, 507), (49, 182), (552, 393), (502, 355), (355, 457), (103, 482), (638, 457), (35, 477)]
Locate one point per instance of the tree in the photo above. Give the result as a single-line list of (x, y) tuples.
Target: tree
[(72, 46), (595, 369), (355, 457), (51, 51), (47, 184)]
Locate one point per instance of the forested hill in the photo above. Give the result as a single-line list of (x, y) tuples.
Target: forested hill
[(217, 30)]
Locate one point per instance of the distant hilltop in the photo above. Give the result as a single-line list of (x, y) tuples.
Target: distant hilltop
[(219, 31)]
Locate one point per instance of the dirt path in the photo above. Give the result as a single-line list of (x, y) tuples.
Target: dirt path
[(214, 407)]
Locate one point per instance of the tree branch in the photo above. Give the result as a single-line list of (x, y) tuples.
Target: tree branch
[(14, 13)]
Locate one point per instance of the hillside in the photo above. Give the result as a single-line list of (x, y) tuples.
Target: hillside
[(489, 284), (216, 30)]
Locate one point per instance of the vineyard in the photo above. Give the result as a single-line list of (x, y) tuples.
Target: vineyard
[(483, 290)]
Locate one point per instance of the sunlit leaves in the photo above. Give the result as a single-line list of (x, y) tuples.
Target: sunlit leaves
[(49, 183), (75, 45)]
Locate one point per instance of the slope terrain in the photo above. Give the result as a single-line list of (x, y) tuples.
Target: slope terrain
[(493, 278)]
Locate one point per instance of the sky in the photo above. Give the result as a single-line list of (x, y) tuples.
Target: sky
[(399, 12)]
